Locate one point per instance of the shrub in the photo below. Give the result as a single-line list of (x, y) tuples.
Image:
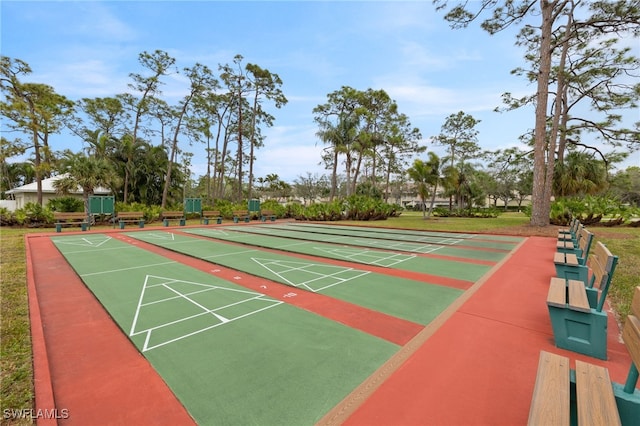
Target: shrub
[(66, 204)]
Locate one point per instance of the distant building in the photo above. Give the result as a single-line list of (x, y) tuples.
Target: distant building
[(18, 197)]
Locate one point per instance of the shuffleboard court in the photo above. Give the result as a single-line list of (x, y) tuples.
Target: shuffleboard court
[(231, 355), (411, 300), (462, 252), (264, 237), (506, 243)]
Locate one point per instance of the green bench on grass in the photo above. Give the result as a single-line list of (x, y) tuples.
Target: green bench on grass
[(168, 216), (576, 307), (70, 219), (130, 217)]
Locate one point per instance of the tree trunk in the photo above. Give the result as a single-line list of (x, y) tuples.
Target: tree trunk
[(540, 207), (433, 199), (334, 175)]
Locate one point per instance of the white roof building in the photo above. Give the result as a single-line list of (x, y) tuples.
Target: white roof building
[(29, 193)]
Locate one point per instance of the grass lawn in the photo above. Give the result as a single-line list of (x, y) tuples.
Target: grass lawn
[(16, 373)]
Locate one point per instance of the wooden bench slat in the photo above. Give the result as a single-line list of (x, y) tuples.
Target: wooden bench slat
[(565, 244), (551, 395), (598, 270), (566, 258), (631, 337), (594, 394), (571, 259), (578, 300), (129, 215), (172, 215), (557, 295), (635, 303), (69, 216)]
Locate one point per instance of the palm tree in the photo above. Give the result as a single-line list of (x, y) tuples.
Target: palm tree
[(433, 166), (420, 173), (341, 137), (129, 148), (85, 172), (579, 174)]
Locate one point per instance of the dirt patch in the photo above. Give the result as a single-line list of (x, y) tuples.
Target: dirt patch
[(528, 231), (552, 231)]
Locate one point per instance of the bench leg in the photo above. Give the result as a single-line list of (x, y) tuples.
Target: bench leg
[(122, 224), (206, 220), (263, 218), (219, 221), (141, 223), (182, 222), (577, 272), (83, 226), (628, 404), (235, 220), (165, 222), (58, 227), (582, 332)]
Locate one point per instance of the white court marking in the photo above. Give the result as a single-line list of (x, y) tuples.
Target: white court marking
[(173, 293), (88, 241), (313, 276)]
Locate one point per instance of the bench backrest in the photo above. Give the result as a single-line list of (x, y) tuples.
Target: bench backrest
[(603, 264), (585, 239), (631, 337), (69, 215), (211, 213), (130, 214), (575, 225), (172, 214)]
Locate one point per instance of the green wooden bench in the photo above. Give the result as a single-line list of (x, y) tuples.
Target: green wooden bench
[(208, 215), (70, 219), (267, 214), (130, 217), (576, 307), (570, 264), (570, 243), (587, 395), (571, 231), (168, 216), (241, 215)]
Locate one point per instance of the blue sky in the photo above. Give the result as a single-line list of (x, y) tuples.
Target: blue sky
[(89, 48)]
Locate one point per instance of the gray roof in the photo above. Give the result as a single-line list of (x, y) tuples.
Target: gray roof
[(47, 187)]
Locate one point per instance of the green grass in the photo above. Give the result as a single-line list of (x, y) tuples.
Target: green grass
[(414, 220), (16, 371)]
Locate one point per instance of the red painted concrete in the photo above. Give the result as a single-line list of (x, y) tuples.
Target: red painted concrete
[(479, 368)]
